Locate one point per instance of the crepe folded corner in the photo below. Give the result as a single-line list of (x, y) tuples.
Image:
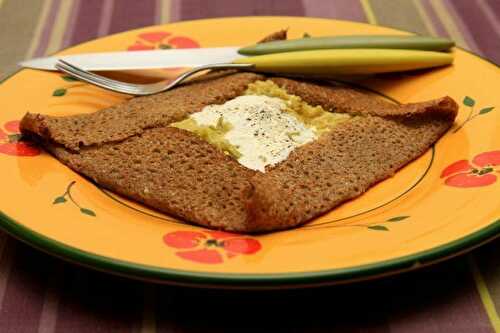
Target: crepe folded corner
[(131, 150)]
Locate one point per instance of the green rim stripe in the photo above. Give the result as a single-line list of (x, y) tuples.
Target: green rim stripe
[(193, 278)]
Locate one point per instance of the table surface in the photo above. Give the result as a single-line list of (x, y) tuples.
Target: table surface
[(39, 293)]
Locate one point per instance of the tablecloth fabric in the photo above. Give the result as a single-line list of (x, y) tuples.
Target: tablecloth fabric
[(39, 293)]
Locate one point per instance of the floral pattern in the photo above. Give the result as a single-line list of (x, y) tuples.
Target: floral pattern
[(62, 199), (11, 141), (480, 172), (161, 40), (59, 92), (471, 104), (384, 225), (210, 247)]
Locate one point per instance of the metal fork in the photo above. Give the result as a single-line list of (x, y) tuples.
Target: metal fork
[(138, 89)]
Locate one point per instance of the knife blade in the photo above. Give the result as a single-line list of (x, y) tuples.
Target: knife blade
[(114, 61)]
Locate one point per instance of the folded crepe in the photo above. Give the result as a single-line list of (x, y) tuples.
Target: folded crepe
[(130, 149)]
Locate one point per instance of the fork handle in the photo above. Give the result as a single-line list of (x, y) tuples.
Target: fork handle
[(347, 61)]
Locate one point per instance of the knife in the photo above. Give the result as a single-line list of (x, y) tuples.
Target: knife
[(204, 56), (318, 62)]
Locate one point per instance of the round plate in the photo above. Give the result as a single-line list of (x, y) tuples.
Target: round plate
[(442, 204)]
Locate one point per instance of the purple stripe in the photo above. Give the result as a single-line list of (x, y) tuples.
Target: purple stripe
[(436, 22), (96, 302), (340, 9), (158, 9), (87, 22), (23, 300), (175, 10), (47, 29), (106, 14), (197, 9), (469, 39), (484, 34), (131, 14), (495, 7), (71, 23)]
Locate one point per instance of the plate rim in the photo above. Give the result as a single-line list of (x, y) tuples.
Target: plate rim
[(246, 280)]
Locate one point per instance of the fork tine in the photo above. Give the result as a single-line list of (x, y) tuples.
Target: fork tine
[(76, 70), (89, 74), (100, 83), (139, 89), (98, 80), (80, 75)]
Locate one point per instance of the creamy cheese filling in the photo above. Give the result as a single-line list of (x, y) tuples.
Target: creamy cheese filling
[(260, 129)]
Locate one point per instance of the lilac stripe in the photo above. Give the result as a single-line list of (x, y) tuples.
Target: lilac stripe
[(175, 10), (130, 14), (340, 9), (106, 14), (490, 14), (71, 23), (197, 9), (87, 22), (484, 33), (436, 22), (495, 7), (469, 39), (47, 30), (158, 9)]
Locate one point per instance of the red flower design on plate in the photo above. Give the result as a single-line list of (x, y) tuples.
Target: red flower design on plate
[(478, 173), (162, 40), (210, 247), (10, 141)]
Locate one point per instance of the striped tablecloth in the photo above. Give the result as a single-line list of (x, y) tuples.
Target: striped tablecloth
[(41, 294)]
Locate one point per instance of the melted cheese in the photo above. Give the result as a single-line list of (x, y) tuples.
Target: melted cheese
[(261, 131)]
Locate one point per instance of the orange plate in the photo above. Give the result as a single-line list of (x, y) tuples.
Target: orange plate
[(432, 209)]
